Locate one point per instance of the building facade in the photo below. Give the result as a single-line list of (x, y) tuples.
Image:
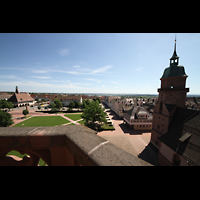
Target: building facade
[(19, 99), (138, 118), (119, 106), (176, 129), (171, 94)]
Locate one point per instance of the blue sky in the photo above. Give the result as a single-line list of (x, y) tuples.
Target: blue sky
[(94, 62)]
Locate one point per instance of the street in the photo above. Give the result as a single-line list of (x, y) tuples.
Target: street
[(134, 142)]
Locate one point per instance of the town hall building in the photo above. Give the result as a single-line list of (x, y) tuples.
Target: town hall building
[(19, 99), (175, 129)]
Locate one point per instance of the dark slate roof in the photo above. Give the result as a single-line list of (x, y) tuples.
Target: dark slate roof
[(183, 135), (174, 70)]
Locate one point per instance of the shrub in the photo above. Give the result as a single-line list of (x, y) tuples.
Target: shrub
[(25, 112)]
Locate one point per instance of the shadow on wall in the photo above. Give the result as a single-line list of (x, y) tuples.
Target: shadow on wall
[(149, 154)]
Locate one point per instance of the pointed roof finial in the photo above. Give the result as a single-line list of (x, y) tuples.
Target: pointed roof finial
[(174, 56)]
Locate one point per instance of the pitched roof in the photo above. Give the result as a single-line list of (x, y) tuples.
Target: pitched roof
[(131, 114), (21, 97), (183, 135)]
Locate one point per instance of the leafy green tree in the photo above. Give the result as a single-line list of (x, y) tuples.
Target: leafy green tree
[(10, 105), (77, 104), (87, 102), (71, 105), (5, 119), (58, 103), (52, 105), (97, 99), (54, 110), (3, 103), (83, 106), (25, 112), (94, 115), (69, 110), (39, 107)]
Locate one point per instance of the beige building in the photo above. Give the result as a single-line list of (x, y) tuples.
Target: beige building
[(138, 118), (21, 99)]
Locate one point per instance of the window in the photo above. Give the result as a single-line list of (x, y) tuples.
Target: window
[(161, 104), (158, 126)]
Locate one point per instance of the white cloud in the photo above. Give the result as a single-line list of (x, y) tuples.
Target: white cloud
[(63, 52), (35, 84), (40, 71), (76, 66), (41, 77), (91, 79), (138, 69), (72, 72), (9, 77), (103, 86), (102, 69)]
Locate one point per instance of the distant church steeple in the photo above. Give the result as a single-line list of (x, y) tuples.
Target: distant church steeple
[(17, 90)]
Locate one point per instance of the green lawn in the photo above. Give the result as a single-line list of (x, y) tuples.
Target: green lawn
[(74, 116), (43, 121), (16, 153)]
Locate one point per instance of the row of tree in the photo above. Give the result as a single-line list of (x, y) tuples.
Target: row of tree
[(73, 104)]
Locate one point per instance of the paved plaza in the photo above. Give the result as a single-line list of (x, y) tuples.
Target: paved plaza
[(134, 142)]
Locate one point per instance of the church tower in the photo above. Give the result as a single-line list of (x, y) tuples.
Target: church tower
[(17, 90), (172, 94)]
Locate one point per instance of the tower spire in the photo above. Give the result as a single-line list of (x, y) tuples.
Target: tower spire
[(175, 45), (174, 58)]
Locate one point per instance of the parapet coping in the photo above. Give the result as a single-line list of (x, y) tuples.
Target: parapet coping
[(84, 144)]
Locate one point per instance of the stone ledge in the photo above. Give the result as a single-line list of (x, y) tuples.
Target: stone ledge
[(83, 143)]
